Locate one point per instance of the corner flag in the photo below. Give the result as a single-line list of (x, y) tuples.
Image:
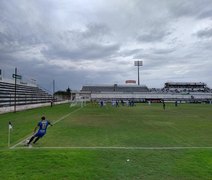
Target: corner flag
[(10, 125)]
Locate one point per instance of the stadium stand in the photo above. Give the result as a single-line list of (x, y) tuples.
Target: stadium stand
[(186, 87), (25, 94), (183, 92), (115, 88)]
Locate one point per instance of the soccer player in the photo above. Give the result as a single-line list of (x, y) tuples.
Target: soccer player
[(164, 105), (42, 126), (176, 103)]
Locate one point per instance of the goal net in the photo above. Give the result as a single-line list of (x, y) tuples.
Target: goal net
[(78, 102)]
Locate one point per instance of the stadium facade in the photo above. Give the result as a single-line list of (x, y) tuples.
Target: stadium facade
[(172, 91), (28, 93)]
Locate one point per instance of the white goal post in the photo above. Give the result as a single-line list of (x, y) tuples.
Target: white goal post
[(78, 101)]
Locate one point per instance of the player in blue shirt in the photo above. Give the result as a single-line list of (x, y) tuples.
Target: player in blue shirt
[(42, 126)]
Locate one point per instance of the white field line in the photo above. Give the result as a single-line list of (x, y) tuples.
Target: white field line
[(121, 147), (30, 135)]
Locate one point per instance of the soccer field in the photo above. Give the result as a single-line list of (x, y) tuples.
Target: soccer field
[(141, 142)]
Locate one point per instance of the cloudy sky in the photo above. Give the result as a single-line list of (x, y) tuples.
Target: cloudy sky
[(97, 41)]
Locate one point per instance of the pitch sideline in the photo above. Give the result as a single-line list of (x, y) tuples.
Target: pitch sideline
[(121, 147)]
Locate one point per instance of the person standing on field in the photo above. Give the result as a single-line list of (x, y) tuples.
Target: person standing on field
[(176, 103), (40, 130), (51, 102), (164, 105)]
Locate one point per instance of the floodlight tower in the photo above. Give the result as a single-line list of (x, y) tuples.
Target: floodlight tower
[(138, 63)]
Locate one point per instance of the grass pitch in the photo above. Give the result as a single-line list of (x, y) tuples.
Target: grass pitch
[(141, 142)]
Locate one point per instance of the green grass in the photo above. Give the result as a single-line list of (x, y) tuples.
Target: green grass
[(188, 125), (105, 164)]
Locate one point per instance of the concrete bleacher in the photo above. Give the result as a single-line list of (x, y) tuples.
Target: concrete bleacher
[(25, 94)]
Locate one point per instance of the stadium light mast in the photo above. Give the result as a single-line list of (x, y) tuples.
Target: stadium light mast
[(138, 63)]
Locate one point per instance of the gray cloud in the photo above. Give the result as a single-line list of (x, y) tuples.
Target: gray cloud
[(92, 43), (130, 52), (81, 42), (164, 51), (91, 51), (153, 36), (206, 33), (196, 9)]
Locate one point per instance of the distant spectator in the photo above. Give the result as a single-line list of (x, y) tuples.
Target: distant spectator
[(117, 103), (113, 103), (52, 103), (101, 103)]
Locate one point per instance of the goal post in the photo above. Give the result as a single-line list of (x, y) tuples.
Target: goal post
[(80, 102)]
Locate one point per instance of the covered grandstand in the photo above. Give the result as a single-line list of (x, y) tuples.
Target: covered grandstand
[(184, 92), (115, 88), (186, 86)]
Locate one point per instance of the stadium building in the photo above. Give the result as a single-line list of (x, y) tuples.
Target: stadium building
[(186, 87), (172, 91), (16, 93)]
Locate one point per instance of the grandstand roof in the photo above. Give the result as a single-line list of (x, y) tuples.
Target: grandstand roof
[(185, 83), (120, 85), (115, 87)]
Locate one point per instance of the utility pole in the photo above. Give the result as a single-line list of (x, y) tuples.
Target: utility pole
[(16, 76), (15, 89), (53, 89)]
